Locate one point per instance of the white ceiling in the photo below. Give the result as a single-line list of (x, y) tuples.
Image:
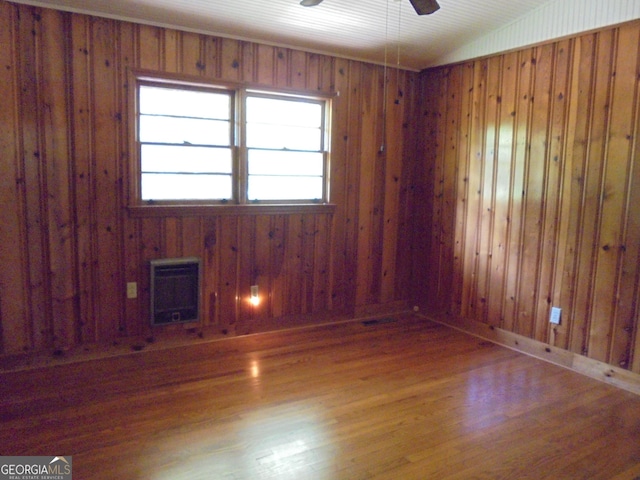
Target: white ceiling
[(369, 30)]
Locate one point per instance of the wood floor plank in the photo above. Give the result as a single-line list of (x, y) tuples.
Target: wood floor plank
[(401, 399)]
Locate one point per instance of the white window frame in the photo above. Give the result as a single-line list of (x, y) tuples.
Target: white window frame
[(322, 151), (240, 174)]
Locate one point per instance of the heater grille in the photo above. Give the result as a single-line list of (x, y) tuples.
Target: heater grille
[(175, 290)]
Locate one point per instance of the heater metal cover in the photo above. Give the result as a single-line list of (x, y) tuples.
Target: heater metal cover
[(175, 290)]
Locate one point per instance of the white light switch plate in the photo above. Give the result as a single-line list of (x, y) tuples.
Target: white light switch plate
[(132, 290), (555, 315)]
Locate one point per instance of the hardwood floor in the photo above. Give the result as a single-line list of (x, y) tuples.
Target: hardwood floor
[(405, 399)]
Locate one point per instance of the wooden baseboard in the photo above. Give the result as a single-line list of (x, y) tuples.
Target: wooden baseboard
[(179, 335), (604, 372), (390, 308)]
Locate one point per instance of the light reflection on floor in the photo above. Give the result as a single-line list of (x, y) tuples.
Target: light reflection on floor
[(270, 444), (496, 393)]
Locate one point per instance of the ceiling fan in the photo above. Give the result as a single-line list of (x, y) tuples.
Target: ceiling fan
[(422, 7)]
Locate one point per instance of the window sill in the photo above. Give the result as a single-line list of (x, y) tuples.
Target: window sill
[(144, 211)]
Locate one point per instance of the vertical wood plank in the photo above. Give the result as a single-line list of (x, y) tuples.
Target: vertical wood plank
[(503, 172), (57, 144), (265, 62), (534, 193), (403, 282), (34, 165), (262, 273), (564, 274), (171, 50), (248, 70), (277, 265), (246, 247), (517, 188), (228, 276), (211, 266), (230, 67), (552, 189), (309, 238), (346, 137), (192, 55), (327, 73), (630, 299), (212, 53), (106, 182), (465, 92), (84, 172), (475, 168), (150, 54), (345, 292), (392, 176), (133, 268), (437, 137), (323, 259), (488, 187), (190, 230), (298, 69), (584, 66), (367, 199), (149, 249), (592, 177), (172, 237), (311, 71), (14, 296), (618, 159), (293, 266), (282, 64), (422, 186), (447, 174)]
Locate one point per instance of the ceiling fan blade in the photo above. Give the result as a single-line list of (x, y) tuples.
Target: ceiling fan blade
[(425, 7), (310, 3)]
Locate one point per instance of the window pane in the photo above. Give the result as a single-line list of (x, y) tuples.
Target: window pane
[(159, 186), (184, 103), (278, 137), (270, 162), (277, 111), (183, 130), (174, 158), (284, 188)]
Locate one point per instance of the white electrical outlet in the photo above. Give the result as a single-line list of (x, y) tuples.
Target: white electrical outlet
[(132, 289), (556, 313)]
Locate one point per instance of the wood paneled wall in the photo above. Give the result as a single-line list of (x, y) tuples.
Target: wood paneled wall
[(69, 244), (531, 188)]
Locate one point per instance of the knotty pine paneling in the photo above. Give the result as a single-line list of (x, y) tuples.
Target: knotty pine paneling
[(530, 192), (16, 314), (69, 243)]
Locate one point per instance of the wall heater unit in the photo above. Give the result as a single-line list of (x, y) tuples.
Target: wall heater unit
[(175, 290)]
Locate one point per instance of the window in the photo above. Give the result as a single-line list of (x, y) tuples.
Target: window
[(186, 139), (201, 144), (285, 148)]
